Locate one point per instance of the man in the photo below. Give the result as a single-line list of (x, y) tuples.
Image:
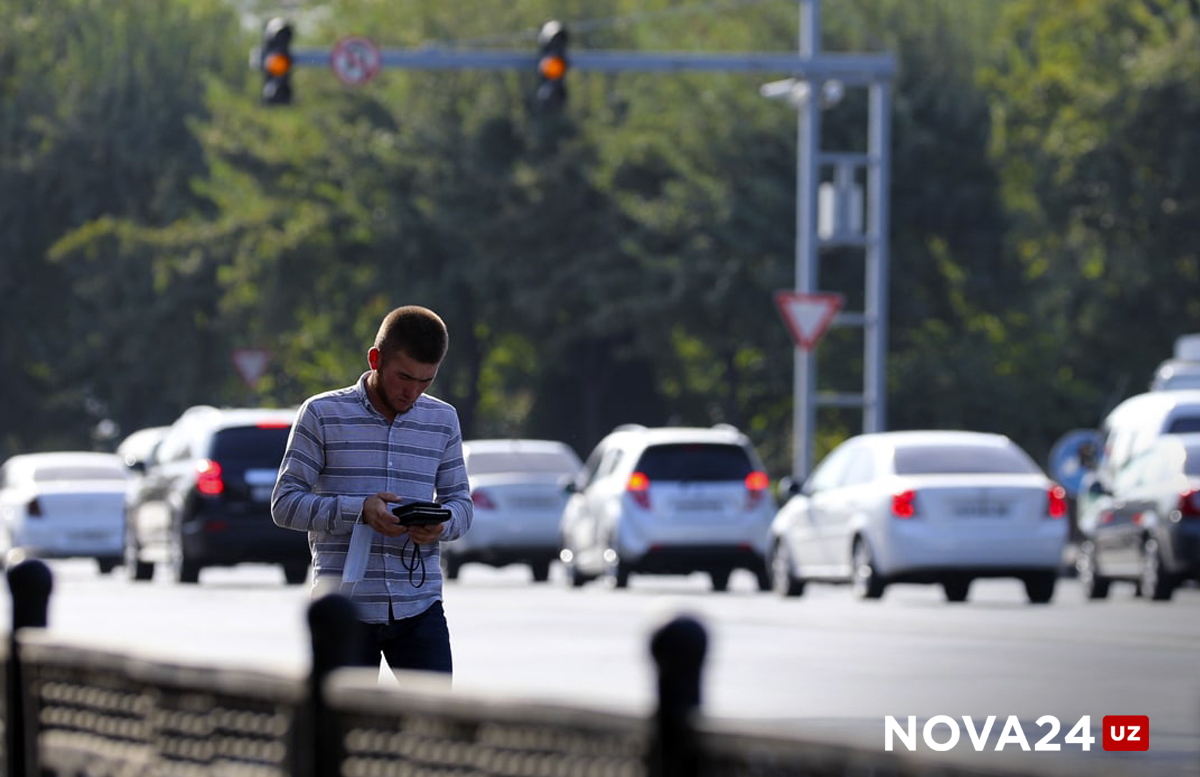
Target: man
[(354, 455)]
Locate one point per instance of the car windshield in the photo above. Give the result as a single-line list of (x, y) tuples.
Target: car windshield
[(695, 461), (528, 461), (961, 459), (259, 444), (77, 472)]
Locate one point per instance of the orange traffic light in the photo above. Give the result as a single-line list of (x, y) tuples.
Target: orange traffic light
[(276, 62), (552, 65)]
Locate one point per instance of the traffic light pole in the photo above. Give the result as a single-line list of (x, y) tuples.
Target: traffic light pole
[(811, 72)]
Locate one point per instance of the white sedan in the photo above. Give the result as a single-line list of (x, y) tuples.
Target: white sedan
[(922, 507), (518, 492), (64, 505)]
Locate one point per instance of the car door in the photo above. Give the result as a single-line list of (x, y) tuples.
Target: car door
[(811, 523), (583, 517), (1119, 531), (841, 512)]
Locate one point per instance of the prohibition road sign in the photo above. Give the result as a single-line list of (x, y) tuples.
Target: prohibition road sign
[(355, 60)]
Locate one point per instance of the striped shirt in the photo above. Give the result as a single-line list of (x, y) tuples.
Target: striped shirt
[(341, 451)]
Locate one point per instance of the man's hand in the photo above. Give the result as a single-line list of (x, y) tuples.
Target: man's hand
[(377, 513), (423, 535)]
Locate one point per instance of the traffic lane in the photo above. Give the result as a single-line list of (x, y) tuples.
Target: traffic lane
[(822, 662)]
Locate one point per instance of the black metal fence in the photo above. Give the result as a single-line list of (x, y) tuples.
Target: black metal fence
[(74, 712)]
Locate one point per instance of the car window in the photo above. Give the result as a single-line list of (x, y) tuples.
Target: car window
[(860, 468), (1191, 464), (591, 466), (609, 463), (828, 473), (962, 459), (695, 462), (1184, 425), (1131, 475), (520, 461), (252, 443), (77, 472)]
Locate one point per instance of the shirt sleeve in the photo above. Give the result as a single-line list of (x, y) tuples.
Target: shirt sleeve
[(453, 490), (295, 501)]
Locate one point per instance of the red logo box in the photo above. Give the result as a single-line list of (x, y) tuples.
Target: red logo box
[(1126, 732)]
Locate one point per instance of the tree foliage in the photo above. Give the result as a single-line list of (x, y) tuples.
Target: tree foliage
[(609, 264)]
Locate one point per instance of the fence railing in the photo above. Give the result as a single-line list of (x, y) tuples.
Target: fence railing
[(71, 711)]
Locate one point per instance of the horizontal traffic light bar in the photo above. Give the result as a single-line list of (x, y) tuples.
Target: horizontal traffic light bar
[(851, 69)]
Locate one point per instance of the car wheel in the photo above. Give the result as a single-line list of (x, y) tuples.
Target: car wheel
[(108, 563), (615, 568), (541, 571), (295, 572), (135, 568), (957, 589), (720, 579), (1095, 585), (1039, 588), (450, 566), (183, 569), (1157, 584), (864, 577), (574, 576), (783, 582)]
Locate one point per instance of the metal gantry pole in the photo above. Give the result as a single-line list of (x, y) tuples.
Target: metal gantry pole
[(876, 332), (808, 142)]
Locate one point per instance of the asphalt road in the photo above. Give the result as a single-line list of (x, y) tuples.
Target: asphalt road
[(823, 666)]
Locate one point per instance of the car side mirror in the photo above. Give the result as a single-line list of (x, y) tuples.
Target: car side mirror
[(789, 487), (567, 484)]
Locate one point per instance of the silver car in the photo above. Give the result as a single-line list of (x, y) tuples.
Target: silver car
[(69, 504), (671, 500), (940, 507), (517, 491)]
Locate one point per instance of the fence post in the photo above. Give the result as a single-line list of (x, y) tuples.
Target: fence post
[(29, 583), (678, 649), (337, 638)]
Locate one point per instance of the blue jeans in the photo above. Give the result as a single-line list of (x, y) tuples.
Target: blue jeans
[(421, 642)]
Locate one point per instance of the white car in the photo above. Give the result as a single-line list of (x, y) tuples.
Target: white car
[(922, 507), (517, 488), (64, 505), (672, 500)]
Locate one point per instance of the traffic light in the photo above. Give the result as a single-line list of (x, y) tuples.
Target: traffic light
[(552, 65), (276, 62)]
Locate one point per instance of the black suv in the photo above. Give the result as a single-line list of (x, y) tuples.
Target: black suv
[(204, 497)]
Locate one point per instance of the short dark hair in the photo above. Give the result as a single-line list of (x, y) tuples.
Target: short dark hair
[(414, 330)]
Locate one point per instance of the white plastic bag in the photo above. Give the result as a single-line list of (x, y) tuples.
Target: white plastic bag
[(359, 553)]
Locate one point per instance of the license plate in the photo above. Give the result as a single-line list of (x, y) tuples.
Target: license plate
[(981, 509), (697, 506), (90, 535)]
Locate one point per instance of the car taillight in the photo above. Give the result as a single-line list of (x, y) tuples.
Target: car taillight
[(638, 487), (904, 504), (1189, 504), (1057, 506), (756, 485), (481, 500), (34, 508), (209, 480)]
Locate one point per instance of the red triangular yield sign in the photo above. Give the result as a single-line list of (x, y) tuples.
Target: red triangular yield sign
[(807, 315), (251, 363)]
